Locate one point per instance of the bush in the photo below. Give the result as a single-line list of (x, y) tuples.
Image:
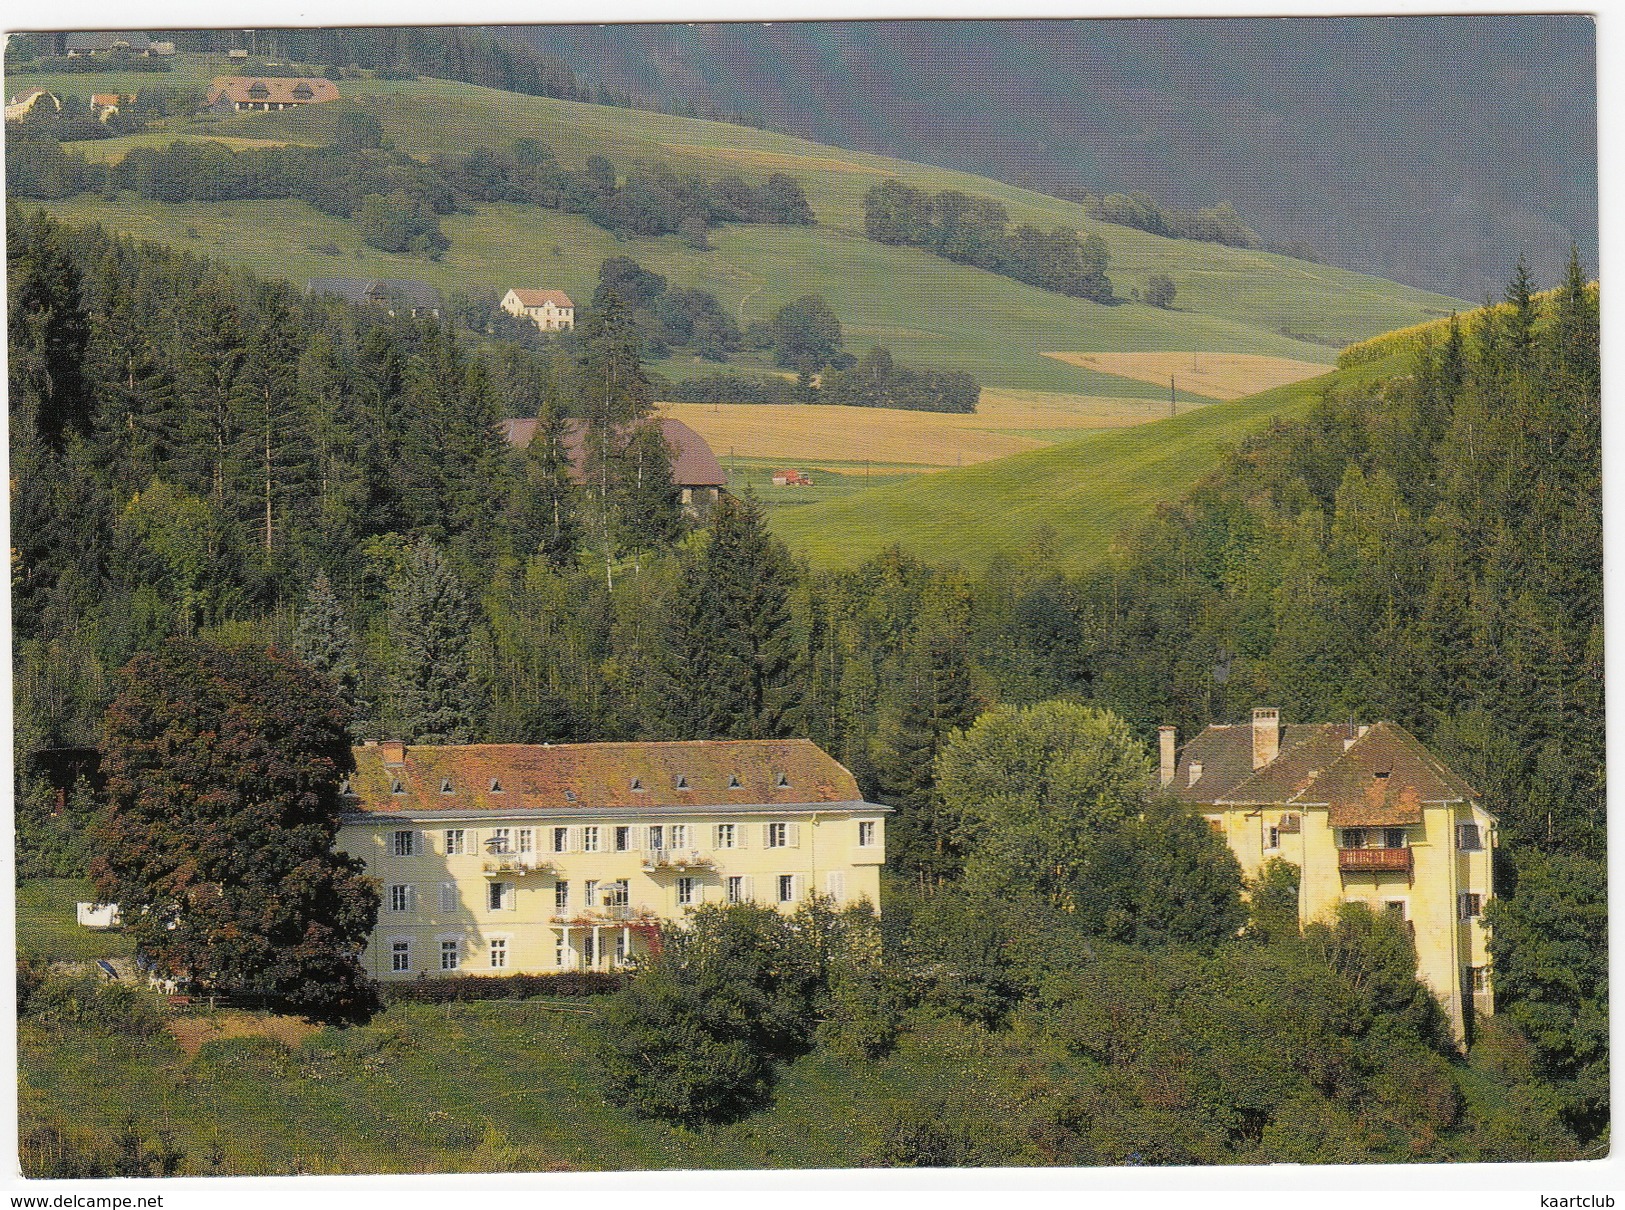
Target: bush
[(465, 988), (84, 1001)]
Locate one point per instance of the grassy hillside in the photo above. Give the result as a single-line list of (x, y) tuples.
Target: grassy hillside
[(1086, 491), (497, 1087), (926, 309)]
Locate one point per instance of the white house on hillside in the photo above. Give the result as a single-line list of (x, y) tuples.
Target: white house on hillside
[(551, 310)]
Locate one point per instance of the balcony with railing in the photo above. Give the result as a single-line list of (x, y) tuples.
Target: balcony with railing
[(676, 859), (506, 861), (1374, 861)]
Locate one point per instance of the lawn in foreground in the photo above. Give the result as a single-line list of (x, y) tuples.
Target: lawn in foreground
[(508, 1086)]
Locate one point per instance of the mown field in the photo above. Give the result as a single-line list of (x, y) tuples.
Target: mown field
[(1006, 422), (1083, 493), (1209, 375), (927, 310)]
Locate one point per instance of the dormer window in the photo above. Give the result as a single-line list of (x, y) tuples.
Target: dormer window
[(258, 90), (496, 786), (637, 783), (445, 785), (733, 782), (569, 796), (1195, 773), (302, 90), (1382, 774), (682, 782), (395, 787), (783, 783)]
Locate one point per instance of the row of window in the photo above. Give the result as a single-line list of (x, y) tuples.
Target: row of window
[(397, 785), (1469, 837), (451, 953), (620, 838), (595, 893)]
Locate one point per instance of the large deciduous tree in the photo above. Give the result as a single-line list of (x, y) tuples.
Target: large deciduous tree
[(223, 768), (1033, 789)]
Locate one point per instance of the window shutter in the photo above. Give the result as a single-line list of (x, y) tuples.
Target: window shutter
[(836, 885), (742, 835), (638, 838), (792, 835), (573, 840), (767, 835), (509, 896), (747, 889)]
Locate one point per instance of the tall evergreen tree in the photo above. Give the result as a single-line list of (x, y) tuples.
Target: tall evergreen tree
[(432, 690), (47, 330), (736, 674), (323, 640)]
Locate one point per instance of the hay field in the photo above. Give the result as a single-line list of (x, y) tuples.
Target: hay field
[(1221, 376), (1006, 422)]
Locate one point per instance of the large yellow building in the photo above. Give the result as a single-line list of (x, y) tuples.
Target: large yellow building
[(1368, 815), (509, 858)]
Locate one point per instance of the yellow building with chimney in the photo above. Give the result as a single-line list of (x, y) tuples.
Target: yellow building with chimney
[(532, 858), (1368, 815)]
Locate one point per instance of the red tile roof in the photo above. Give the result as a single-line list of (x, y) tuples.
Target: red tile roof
[(273, 89), (693, 463), (542, 777), (1383, 777), (541, 298)]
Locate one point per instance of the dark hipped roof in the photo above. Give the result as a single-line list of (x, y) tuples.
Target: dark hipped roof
[(693, 463), (381, 289), (1383, 777), (541, 777)]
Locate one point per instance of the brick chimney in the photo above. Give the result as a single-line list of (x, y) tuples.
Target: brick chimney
[(394, 752), (1266, 736), (1170, 757)]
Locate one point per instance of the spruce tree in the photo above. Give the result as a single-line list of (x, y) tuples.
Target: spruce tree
[(736, 675), (432, 691), (48, 331), (550, 508), (323, 640)]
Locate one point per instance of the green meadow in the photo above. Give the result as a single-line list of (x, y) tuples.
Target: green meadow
[(1080, 496)]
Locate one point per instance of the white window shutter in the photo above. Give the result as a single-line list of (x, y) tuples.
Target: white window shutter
[(742, 835), (572, 841), (747, 889), (639, 838), (836, 885), (471, 841), (509, 897), (792, 835), (767, 835)]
